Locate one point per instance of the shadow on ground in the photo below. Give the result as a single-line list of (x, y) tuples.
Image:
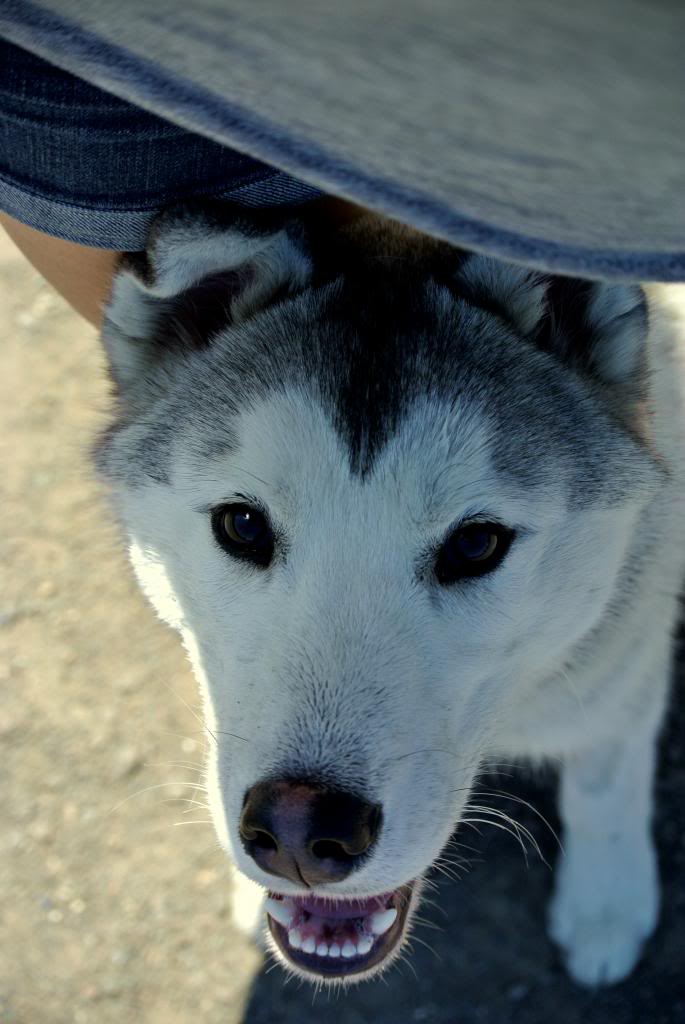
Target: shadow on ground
[(491, 960)]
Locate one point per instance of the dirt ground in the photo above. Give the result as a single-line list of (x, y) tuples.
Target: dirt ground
[(115, 894)]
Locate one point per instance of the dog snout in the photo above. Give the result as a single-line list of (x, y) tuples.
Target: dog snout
[(305, 832)]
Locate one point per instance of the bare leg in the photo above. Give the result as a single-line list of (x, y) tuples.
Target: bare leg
[(83, 275), (80, 274)]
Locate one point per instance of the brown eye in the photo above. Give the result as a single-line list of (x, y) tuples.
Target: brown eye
[(472, 550), (477, 543), (244, 532)]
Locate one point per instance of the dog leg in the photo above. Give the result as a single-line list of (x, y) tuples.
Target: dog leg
[(607, 891), (247, 908)]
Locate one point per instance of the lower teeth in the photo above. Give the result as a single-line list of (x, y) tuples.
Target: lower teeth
[(378, 923)]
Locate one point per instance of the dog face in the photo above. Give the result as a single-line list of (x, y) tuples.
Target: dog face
[(382, 489)]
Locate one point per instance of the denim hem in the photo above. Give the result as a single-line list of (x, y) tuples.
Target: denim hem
[(81, 51), (126, 230)]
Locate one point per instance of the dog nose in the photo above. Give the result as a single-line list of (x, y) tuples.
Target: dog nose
[(307, 833)]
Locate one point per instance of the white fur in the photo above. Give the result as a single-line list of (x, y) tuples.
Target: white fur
[(607, 892), (371, 665)]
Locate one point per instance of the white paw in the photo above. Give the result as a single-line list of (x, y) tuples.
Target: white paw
[(604, 908), (247, 908), (603, 952)]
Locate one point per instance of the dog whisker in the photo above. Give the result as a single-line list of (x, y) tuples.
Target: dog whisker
[(497, 812), (184, 800), (525, 803), (193, 713), (275, 963), (433, 886), (496, 824), (147, 789), (405, 959), (520, 829), (187, 765), (443, 870), (457, 844), (426, 923), (431, 949), (233, 735)]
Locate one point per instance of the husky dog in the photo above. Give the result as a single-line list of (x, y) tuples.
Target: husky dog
[(410, 509)]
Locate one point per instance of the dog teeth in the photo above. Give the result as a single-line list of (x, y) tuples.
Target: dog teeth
[(282, 911), (285, 912), (347, 950), (382, 920)]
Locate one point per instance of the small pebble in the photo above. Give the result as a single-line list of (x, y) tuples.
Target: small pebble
[(47, 588), (8, 723), (127, 762), (41, 832)]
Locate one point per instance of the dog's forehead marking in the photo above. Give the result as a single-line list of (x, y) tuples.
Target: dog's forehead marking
[(367, 351), (435, 467)]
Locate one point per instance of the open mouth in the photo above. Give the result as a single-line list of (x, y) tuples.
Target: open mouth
[(338, 938)]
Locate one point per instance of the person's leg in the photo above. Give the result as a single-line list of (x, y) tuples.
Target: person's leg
[(83, 174), (81, 274)]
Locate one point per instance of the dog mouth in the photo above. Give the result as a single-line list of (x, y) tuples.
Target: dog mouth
[(339, 938)]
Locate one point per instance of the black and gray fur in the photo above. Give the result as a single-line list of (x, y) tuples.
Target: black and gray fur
[(371, 388)]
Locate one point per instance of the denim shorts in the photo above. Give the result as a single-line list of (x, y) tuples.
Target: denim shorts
[(83, 165)]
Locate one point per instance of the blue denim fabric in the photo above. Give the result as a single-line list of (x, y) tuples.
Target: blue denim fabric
[(550, 134), (86, 166)]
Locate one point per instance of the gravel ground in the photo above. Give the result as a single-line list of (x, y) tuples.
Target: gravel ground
[(113, 911)]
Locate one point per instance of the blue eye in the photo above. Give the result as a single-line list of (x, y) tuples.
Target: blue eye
[(472, 550), (244, 532)]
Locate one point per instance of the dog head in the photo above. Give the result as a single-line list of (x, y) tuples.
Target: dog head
[(383, 489)]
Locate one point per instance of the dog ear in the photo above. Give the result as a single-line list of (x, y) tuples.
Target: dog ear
[(205, 266), (597, 328)]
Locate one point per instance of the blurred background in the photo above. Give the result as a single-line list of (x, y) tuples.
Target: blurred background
[(115, 896)]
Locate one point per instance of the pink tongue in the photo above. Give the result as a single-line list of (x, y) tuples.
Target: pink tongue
[(341, 909)]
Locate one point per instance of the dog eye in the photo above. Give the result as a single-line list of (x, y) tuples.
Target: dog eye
[(244, 532), (472, 550)]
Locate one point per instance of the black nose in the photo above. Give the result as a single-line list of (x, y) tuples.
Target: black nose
[(305, 832)]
